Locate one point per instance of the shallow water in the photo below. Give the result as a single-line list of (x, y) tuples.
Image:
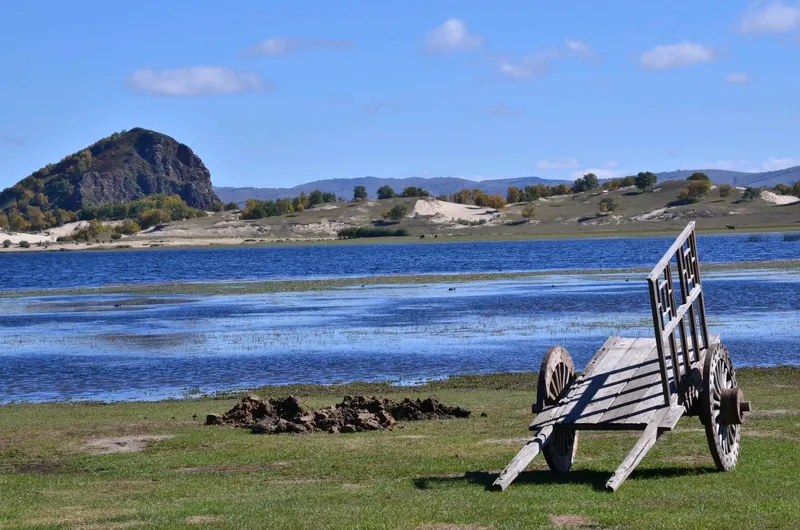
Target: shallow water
[(44, 270), (113, 347)]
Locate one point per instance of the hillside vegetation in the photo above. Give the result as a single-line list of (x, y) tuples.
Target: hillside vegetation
[(121, 168)]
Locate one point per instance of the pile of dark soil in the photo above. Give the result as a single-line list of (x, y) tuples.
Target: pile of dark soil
[(353, 414)]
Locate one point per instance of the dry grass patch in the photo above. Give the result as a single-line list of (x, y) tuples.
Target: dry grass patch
[(122, 444)]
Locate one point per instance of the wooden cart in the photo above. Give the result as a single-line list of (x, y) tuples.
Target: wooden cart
[(643, 384)]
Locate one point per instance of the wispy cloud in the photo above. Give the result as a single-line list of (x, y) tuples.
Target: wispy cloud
[(502, 110), (527, 68), (286, 46), (580, 49), (730, 165), (537, 65), (15, 141), (771, 17), (740, 78), (196, 81), (452, 36), (773, 164), (561, 163), (670, 56)]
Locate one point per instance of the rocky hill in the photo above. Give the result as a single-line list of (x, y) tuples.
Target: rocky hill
[(123, 167)]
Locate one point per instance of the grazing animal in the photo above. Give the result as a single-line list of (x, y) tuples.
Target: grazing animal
[(730, 227), (422, 236), (452, 289)]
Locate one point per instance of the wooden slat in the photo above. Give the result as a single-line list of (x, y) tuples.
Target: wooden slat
[(654, 274), (591, 366), (626, 367), (647, 376)]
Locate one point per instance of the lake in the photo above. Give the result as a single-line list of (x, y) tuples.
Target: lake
[(116, 347)]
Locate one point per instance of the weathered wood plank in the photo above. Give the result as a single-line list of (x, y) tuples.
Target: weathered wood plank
[(523, 458), (591, 366), (646, 376), (627, 365)]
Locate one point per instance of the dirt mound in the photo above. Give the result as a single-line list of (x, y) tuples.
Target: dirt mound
[(353, 414)]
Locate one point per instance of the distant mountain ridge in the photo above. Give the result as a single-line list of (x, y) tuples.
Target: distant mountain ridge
[(343, 187)]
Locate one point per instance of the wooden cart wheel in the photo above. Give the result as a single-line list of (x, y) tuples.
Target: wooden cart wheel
[(722, 407), (556, 373)]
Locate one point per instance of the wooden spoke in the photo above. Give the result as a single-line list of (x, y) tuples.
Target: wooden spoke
[(555, 375), (723, 438)]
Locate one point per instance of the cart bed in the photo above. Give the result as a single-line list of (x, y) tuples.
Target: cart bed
[(621, 388)]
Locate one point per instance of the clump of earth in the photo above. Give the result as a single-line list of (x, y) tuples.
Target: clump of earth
[(353, 414)]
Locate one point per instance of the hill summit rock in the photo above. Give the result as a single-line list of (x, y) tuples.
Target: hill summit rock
[(125, 166)]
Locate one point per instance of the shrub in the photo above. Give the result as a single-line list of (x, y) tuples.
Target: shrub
[(217, 207), (696, 190), (6, 243), (128, 227), (725, 190), (64, 239), (362, 231), (528, 211), (697, 175), (513, 195), (231, 206), (751, 193), (359, 192), (154, 217), (607, 204), (116, 236), (396, 213), (24, 244)]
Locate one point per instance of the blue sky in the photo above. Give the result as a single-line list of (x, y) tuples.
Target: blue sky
[(275, 94)]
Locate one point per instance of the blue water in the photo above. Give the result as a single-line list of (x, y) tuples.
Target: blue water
[(43, 270), (114, 347)]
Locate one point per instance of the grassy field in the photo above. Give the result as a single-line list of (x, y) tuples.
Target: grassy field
[(430, 475)]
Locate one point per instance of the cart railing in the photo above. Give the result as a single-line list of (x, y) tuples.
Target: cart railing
[(670, 318)]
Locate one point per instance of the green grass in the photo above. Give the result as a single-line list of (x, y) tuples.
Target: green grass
[(428, 473)]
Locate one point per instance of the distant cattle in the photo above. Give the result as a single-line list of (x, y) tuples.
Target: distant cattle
[(422, 236), (730, 227)]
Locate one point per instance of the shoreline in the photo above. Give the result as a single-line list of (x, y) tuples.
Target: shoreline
[(170, 243), (223, 287), (390, 386)]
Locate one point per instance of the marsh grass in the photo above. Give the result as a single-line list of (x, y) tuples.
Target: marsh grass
[(427, 473)]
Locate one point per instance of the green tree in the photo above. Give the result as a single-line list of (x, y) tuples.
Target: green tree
[(796, 189), (128, 227), (328, 197), (35, 218), (231, 206), (513, 195), (153, 217), (645, 180), (607, 204), (315, 198), (697, 175), (630, 180), (16, 222), (24, 244), (413, 191), (396, 213), (3, 221), (386, 192), (217, 207), (360, 192), (751, 194), (725, 190), (6, 243), (586, 183)]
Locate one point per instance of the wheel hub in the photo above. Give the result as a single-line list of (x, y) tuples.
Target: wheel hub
[(733, 406)]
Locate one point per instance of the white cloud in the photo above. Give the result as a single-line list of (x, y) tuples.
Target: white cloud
[(580, 48), (740, 78), (676, 55), (772, 17), (601, 173), (452, 36), (286, 46), (196, 80), (527, 68), (561, 163), (773, 164), (502, 110)]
